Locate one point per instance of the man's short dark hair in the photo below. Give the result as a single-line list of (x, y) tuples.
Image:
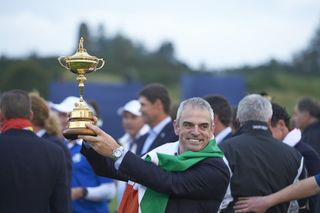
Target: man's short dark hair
[(309, 105), (279, 113), (155, 91), (15, 104), (220, 107)]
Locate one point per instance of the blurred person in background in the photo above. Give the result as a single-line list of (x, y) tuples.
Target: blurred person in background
[(89, 192), (280, 129), (279, 126), (235, 124), (32, 170), (306, 117), (40, 116), (53, 126), (222, 117), (134, 127), (155, 108)]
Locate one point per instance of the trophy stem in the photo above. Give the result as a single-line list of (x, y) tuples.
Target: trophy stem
[(80, 64), (81, 78)]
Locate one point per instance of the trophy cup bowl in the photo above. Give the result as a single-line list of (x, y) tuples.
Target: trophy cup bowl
[(80, 64)]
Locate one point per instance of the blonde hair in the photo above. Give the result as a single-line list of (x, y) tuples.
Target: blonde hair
[(52, 125)]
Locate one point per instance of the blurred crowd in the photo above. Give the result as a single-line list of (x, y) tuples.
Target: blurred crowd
[(256, 149)]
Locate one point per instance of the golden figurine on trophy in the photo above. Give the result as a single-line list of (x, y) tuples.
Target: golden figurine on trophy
[(80, 63)]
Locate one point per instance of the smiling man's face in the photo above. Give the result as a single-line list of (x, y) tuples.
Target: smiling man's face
[(194, 129)]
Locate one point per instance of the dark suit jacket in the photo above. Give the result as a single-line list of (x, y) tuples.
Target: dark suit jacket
[(311, 135), (201, 188), (32, 174), (166, 135), (65, 150)]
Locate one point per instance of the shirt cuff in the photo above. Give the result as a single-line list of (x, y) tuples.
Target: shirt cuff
[(118, 162)]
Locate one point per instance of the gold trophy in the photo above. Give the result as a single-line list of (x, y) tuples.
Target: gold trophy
[(80, 63)]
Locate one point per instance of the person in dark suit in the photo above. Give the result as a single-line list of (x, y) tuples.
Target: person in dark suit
[(222, 117), (279, 127), (32, 170), (307, 118), (155, 108), (40, 116), (186, 176)]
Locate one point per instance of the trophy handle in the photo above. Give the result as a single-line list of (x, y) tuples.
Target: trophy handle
[(59, 59), (102, 63)]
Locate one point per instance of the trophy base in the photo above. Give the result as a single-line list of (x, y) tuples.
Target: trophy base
[(72, 134)]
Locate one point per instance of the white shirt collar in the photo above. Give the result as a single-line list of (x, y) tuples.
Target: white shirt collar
[(293, 137), (142, 131), (223, 134), (41, 132), (157, 129)]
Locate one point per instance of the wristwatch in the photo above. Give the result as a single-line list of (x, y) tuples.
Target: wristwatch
[(117, 153)]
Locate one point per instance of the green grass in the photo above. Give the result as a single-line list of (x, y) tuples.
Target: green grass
[(285, 88)]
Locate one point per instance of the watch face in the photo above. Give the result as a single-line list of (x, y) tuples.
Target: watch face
[(117, 153)]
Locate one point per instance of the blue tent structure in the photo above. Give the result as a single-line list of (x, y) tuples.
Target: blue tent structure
[(110, 97), (232, 87)]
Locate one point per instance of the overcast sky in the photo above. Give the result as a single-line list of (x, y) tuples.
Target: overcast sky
[(217, 33)]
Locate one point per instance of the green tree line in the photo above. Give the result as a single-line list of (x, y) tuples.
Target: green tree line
[(129, 61)]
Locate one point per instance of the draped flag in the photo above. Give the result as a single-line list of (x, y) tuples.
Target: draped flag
[(138, 198)]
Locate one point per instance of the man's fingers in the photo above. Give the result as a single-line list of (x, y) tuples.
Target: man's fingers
[(241, 210), (241, 202), (88, 138), (241, 205), (94, 128), (243, 198)]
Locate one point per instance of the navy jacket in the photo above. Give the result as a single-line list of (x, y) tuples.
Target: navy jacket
[(311, 136), (259, 163), (66, 152), (32, 174), (201, 188), (166, 135)]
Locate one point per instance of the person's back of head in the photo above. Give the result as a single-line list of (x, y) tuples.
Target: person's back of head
[(235, 124), (221, 108), (310, 106), (15, 104), (279, 113), (154, 92), (254, 108), (52, 125), (40, 110), (280, 122), (306, 112)]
